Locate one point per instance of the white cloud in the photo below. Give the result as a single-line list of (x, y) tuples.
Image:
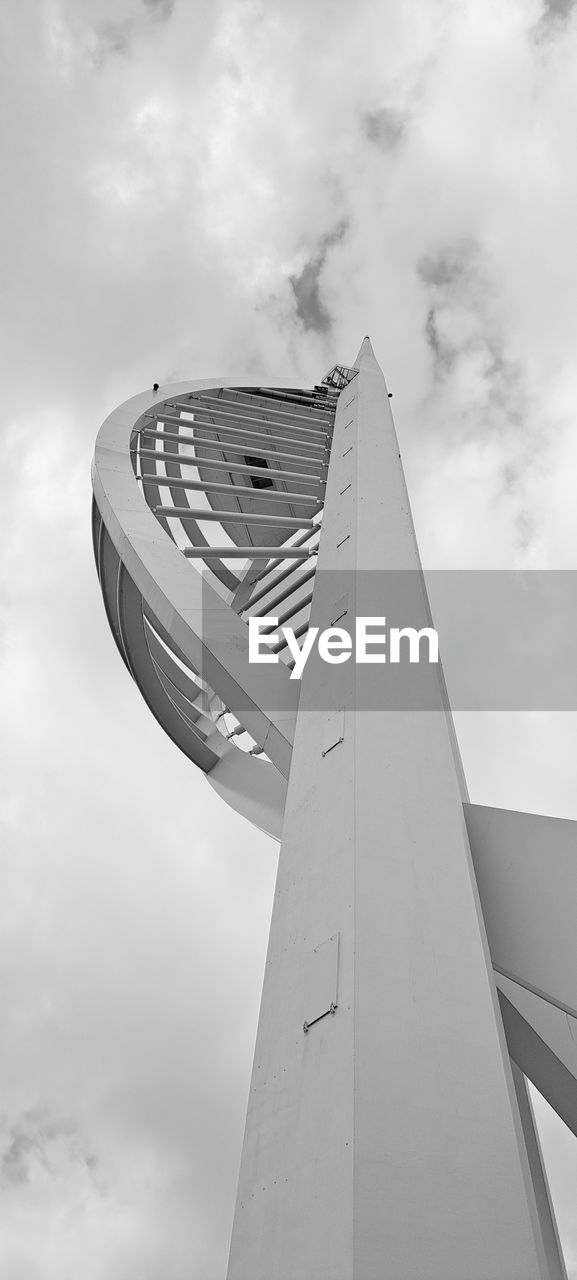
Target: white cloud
[(167, 171)]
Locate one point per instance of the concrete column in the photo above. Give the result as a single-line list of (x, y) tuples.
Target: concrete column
[(385, 1141)]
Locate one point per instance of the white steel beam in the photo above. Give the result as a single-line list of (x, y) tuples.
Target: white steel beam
[(526, 869)]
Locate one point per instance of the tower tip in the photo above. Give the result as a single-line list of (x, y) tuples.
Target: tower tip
[(366, 349)]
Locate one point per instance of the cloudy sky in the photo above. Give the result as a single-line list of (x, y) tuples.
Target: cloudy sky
[(197, 187)]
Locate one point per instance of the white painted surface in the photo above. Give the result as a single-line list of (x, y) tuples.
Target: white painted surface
[(388, 1144), (526, 869), (207, 631), (322, 980)]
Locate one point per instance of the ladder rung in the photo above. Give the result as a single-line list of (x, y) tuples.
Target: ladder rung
[(236, 490), (289, 613), (235, 517), (289, 411), (282, 644), (300, 400), (298, 542), (254, 437), (283, 595), (223, 447), (193, 406), (234, 468), (249, 553)]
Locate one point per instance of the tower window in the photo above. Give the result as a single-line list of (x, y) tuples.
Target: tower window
[(258, 482)]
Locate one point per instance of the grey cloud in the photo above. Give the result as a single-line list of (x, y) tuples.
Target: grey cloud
[(449, 274), (310, 307), (461, 331), (384, 127), (28, 1139), (443, 355), (162, 10), (14, 1159), (553, 21), (446, 265), (116, 37), (113, 38), (458, 283), (558, 8)]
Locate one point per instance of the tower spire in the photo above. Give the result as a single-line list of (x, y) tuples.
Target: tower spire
[(365, 352)]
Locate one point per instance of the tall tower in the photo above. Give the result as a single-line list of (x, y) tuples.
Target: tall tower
[(422, 953)]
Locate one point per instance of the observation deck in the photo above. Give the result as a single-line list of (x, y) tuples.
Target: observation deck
[(208, 505)]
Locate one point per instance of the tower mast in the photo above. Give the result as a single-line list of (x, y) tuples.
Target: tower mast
[(384, 1137)]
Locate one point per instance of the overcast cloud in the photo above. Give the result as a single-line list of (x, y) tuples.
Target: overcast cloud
[(225, 186)]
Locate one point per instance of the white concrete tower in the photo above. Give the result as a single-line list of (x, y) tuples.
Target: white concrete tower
[(385, 1142), (420, 964)]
